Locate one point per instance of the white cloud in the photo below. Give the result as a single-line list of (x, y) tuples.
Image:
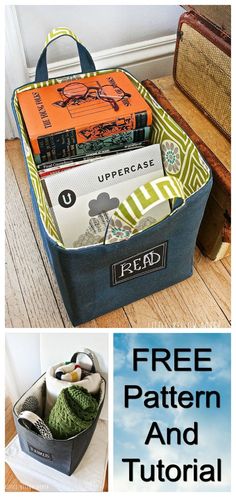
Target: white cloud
[(119, 360)]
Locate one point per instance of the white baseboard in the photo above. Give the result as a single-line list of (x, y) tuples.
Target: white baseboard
[(145, 59)]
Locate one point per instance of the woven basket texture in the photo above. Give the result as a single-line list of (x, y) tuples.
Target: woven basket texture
[(204, 71), (220, 15)]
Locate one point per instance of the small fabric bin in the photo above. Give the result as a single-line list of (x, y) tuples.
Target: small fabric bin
[(90, 278), (62, 455)]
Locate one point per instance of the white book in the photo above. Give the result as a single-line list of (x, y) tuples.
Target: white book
[(83, 199)]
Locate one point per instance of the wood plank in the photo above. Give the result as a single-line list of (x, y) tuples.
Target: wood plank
[(35, 287), (226, 261), (16, 315), (188, 304), (17, 161), (217, 279), (10, 429), (12, 484), (203, 306), (89, 324), (116, 318)]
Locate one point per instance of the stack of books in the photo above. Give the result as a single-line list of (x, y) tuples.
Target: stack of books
[(73, 122), (102, 120)]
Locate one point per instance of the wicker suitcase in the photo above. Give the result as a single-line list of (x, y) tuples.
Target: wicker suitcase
[(215, 233), (202, 63)]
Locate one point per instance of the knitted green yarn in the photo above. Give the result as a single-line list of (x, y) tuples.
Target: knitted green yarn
[(74, 411)]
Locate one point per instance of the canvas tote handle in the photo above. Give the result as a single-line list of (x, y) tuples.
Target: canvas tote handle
[(86, 61), (88, 353), (138, 203)]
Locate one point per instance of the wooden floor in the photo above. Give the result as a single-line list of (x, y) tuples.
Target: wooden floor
[(12, 484), (33, 299)]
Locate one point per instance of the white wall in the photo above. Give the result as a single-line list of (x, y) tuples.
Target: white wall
[(100, 27), (22, 362), (59, 347), (28, 355)]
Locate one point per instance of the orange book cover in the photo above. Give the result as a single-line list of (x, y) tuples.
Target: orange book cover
[(81, 110)]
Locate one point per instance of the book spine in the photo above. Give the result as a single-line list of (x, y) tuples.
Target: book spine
[(56, 146), (141, 134), (75, 161), (123, 124), (113, 142), (63, 145), (141, 119)]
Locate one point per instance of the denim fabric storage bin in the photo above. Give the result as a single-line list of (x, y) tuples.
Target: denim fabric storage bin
[(91, 279), (63, 455)]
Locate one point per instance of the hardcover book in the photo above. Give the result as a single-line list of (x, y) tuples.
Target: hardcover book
[(102, 146), (83, 199), (60, 116)]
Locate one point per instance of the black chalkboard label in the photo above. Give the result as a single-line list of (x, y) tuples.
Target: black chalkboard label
[(39, 452), (139, 264)]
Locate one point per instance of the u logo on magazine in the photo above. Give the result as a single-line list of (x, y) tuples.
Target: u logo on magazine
[(67, 198)]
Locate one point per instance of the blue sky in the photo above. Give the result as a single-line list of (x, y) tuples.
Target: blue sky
[(132, 425)]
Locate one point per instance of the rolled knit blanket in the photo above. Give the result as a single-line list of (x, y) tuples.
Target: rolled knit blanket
[(69, 372), (74, 411)]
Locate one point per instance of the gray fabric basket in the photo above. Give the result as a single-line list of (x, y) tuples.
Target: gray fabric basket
[(63, 455)]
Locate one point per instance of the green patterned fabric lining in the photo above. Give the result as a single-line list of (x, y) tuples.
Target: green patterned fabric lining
[(180, 156), (128, 219), (146, 196)]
